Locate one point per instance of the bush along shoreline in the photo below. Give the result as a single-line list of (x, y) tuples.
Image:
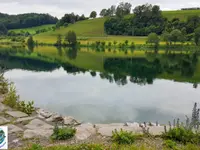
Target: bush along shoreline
[(35, 128)]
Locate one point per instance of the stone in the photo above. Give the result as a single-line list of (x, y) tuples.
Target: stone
[(71, 121), (108, 125), (3, 121), (55, 118), (38, 124), (14, 129), (107, 130), (20, 120), (135, 124), (4, 107), (157, 130), (153, 124), (84, 131), (37, 133), (16, 114), (44, 113)]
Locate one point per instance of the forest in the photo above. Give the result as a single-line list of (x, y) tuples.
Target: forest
[(147, 19), (25, 20)]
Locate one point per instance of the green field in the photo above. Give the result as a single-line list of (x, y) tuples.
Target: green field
[(92, 30), (32, 30), (181, 14)]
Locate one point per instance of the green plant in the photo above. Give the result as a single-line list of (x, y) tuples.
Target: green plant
[(170, 144), (123, 137), (11, 98), (180, 134), (35, 147), (26, 107), (63, 133), (3, 85)]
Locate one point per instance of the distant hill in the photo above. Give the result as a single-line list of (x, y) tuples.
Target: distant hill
[(26, 20), (93, 29)]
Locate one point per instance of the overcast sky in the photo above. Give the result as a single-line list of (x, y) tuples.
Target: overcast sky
[(60, 7)]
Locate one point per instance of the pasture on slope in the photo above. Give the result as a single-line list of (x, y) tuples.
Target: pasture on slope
[(93, 30), (33, 30)]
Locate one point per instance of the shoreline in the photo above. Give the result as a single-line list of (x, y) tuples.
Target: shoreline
[(24, 128)]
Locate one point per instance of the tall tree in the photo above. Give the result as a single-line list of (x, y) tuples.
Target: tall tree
[(176, 36), (153, 38), (123, 9), (59, 40), (71, 38), (93, 14), (30, 43), (197, 36), (112, 10), (3, 29), (103, 12)]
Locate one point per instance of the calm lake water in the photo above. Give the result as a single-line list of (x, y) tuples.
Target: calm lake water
[(117, 93)]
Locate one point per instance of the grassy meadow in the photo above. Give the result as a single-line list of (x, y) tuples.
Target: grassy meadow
[(33, 30)]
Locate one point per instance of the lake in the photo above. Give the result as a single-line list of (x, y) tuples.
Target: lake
[(106, 87)]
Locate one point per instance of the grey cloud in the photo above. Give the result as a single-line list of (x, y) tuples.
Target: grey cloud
[(60, 7)]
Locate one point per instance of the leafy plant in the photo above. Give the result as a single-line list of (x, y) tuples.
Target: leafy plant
[(26, 107), (170, 144), (3, 85), (63, 133), (185, 133), (11, 98), (35, 147), (123, 137)]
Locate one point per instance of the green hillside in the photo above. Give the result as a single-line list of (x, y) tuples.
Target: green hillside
[(93, 29), (181, 14), (32, 30)]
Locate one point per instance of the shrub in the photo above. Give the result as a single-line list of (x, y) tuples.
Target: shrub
[(123, 137), (35, 147), (3, 85), (11, 98), (63, 133), (180, 134), (26, 107), (170, 144)]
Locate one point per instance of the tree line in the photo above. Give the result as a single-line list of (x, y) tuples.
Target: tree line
[(147, 19), (24, 21)]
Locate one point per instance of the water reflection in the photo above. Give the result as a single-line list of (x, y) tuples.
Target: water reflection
[(61, 81), (141, 70)]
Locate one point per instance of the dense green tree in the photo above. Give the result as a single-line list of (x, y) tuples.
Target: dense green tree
[(192, 23), (123, 9), (93, 14), (146, 19), (59, 40), (71, 38), (26, 20), (153, 38), (175, 36), (112, 10), (3, 29), (30, 43), (197, 36), (166, 37), (183, 38), (70, 19), (103, 12)]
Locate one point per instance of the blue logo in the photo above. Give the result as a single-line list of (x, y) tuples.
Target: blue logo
[(2, 138)]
